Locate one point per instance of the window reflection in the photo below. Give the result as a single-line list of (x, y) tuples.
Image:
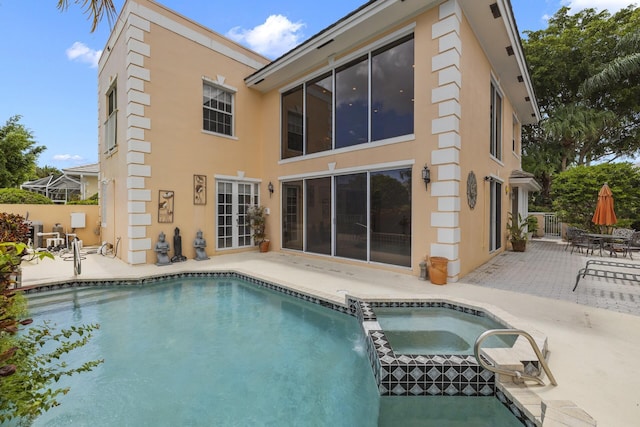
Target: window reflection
[(390, 217), (319, 113), (292, 215), (351, 216), (392, 90), (362, 109), (318, 215), (292, 126), (352, 87), (371, 212)]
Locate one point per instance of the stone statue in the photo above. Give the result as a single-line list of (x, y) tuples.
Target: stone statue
[(200, 244), (162, 250), (177, 247)]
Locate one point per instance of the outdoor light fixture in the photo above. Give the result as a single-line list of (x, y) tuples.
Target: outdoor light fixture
[(426, 176), (270, 188)]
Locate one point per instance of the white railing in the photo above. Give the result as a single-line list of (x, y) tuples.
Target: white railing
[(552, 226)]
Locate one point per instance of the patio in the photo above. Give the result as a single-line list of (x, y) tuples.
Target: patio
[(547, 270), (593, 334)]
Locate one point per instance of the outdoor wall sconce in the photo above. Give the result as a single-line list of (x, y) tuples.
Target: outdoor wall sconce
[(270, 188), (426, 176)]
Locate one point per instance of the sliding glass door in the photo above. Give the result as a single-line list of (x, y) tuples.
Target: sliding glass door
[(351, 216), (364, 216)]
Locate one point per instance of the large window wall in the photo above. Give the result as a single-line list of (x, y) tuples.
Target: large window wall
[(364, 216), (368, 99)]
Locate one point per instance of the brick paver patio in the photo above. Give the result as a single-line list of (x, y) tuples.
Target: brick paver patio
[(547, 270)]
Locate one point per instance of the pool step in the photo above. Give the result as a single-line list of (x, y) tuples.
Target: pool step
[(69, 298)]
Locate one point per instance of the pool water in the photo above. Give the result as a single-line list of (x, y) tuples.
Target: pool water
[(224, 352), (436, 330), (444, 411), (197, 352)]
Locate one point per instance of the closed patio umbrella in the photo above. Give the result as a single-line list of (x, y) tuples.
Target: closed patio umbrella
[(604, 214)]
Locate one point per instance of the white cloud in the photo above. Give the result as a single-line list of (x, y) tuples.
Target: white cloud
[(67, 158), (273, 38), (611, 5), (81, 52)]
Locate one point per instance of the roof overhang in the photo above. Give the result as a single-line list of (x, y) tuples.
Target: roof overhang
[(377, 16), (524, 180), (500, 39), (371, 19)]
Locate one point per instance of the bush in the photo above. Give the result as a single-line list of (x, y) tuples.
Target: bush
[(93, 200), (13, 228), (16, 196), (575, 193), (83, 202)]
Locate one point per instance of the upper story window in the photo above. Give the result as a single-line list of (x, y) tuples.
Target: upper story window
[(110, 124), (371, 98), (517, 136), (292, 126), (495, 125), (217, 109)]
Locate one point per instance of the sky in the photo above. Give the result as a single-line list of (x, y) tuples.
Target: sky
[(48, 58)]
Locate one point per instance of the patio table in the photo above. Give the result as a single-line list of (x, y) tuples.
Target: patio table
[(606, 238)]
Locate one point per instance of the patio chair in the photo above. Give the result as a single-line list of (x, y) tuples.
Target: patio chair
[(572, 232), (619, 241), (582, 241), (634, 244)]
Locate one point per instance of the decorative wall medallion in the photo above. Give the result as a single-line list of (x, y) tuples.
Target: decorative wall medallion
[(472, 189)]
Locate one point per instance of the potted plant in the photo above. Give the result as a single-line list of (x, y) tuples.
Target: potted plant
[(257, 218), (517, 233), (532, 225)]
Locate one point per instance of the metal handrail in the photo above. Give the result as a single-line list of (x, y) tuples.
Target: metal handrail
[(518, 374), (77, 259)]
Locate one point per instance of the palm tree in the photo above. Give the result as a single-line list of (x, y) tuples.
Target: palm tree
[(579, 131), (96, 9), (620, 68)]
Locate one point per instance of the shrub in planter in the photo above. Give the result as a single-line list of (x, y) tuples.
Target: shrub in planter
[(517, 232)]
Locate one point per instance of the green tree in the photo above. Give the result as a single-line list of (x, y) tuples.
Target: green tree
[(96, 9), (575, 193), (580, 127), (19, 153), (45, 171), (626, 66)]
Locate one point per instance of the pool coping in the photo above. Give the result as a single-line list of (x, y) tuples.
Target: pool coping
[(528, 414)]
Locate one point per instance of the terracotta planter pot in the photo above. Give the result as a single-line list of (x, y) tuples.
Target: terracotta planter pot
[(519, 245), (264, 246), (438, 270)]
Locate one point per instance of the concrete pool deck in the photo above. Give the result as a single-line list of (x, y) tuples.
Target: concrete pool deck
[(593, 334)]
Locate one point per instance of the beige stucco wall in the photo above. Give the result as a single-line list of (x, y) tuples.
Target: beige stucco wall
[(50, 215), (175, 148), (161, 144), (477, 75)]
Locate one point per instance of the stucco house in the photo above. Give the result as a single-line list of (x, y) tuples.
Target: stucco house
[(75, 183), (390, 135)]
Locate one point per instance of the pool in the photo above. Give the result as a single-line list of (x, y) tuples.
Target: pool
[(437, 330), (210, 352), (228, 351)]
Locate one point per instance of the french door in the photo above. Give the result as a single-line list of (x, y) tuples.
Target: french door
[(233, 198)]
